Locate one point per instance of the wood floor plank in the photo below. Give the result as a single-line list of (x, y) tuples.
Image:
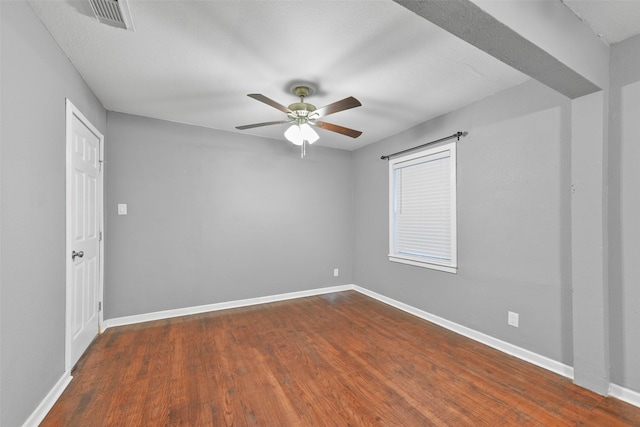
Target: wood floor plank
[(338, 359)]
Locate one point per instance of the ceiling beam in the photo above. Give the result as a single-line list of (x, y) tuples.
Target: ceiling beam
[(544, 40)]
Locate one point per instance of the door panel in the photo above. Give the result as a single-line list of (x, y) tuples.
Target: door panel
[(78, 216), (78, 285)]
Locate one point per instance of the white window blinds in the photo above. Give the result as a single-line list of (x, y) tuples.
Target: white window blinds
[(422, 209)]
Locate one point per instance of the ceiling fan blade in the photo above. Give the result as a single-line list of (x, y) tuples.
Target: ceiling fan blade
[(257, 125), (269, 101), (339, 129), (342, 105)]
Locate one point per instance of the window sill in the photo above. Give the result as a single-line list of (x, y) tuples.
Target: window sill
[(423, 264)]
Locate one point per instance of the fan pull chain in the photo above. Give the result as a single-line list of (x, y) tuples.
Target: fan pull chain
[(304, 149)]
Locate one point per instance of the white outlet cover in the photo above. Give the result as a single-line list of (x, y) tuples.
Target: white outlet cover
[(122, 209), (513, 319), (336, 272)]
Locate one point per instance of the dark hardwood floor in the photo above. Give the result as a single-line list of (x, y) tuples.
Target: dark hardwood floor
[(333, 360)]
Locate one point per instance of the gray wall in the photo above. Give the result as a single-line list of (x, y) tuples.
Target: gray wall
[(624, 215), (36, 77), (215, 216), (514, 221)]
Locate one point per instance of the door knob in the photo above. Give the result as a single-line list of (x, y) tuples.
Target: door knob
[(75, 254)]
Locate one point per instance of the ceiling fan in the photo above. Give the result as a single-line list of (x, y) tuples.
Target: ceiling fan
[(302, 116)]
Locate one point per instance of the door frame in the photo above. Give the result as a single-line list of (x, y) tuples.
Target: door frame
[(70, 112)]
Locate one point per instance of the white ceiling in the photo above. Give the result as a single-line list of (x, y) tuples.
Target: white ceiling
[(611, 20), (194, 62)]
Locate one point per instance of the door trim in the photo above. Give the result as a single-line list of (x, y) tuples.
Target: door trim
[(72, 111)]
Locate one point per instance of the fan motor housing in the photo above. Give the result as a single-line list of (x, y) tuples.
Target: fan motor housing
[(302, 108)]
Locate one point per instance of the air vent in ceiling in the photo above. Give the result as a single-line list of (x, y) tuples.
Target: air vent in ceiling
[(113, 12)]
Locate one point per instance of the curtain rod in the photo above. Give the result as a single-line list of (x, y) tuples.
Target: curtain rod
[(446, 138)]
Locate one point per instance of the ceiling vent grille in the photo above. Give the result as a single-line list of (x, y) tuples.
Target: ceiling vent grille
[(113, 12)]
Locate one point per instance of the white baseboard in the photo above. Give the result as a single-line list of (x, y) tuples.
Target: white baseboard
[(47, 403), (629, 396), (616, 391), (505, 347), (166, 314)]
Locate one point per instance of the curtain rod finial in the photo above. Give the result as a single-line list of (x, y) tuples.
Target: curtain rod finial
[(461, 133)]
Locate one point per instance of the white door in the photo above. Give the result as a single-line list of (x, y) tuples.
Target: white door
[(84, 225)]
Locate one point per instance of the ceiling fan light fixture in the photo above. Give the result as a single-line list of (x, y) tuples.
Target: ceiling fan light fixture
[(301, 115), (308, 134), (297, 134)]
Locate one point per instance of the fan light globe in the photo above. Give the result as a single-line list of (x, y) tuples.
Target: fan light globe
[(308, 134), (297, 134)]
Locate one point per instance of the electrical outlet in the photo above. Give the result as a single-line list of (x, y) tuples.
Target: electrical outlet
[(122, 208), (336, 273), (513, 319)]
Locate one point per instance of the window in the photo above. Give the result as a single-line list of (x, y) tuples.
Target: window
[(422, 208)]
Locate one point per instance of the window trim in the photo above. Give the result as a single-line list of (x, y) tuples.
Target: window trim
[(449, 267)]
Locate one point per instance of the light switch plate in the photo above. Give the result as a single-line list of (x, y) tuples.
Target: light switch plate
[(122, 208)]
